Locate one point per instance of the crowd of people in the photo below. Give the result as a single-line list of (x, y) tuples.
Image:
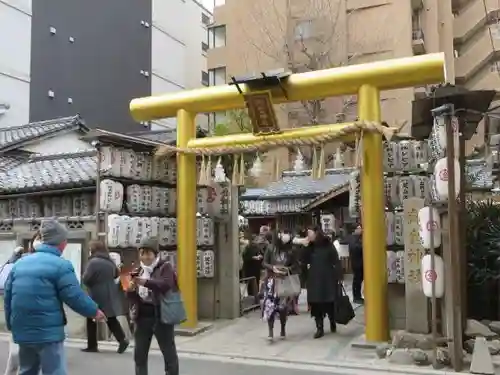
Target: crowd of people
[(37, 282), (270, 255)]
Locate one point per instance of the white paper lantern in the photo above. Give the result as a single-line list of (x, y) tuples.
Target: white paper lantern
[(420, 152), (391, 267), (441, 176), (405, 156), (115, 257), (389, 224), (406, 188), (421, 187), (399, 228), (114, 222), (199, 263), (390, 160), (124, 231), (429, 276), (391, 185), (400, 267), (426, 226), (208, 264)]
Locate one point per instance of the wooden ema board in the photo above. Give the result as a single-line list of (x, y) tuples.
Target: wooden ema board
[(416, 302)]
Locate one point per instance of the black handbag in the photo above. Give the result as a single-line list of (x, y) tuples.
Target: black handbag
[(344, 312)]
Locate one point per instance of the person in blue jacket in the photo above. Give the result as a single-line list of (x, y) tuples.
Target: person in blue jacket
[(35, 291)]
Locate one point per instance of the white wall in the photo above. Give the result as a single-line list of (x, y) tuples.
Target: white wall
[(15, 52), (64, 143), (177, 58)]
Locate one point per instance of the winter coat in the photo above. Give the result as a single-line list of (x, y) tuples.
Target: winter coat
[(162, 279), (324, 272), (99, 278), (251, 267), (355, 242), (35, 291)]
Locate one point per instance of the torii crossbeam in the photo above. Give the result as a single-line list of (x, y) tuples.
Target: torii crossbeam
[(365, 80)]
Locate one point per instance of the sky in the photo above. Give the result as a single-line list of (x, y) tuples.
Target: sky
[(209, 4)]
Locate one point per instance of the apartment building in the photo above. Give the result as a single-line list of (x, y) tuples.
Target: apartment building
[(266, 34), (63, 57)]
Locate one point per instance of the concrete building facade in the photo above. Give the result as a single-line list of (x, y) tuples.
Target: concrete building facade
[(268, 34), (93, 57)]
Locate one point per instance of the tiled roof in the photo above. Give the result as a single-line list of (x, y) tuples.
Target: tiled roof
[(252, 193), (166, 136), (51, 171), (14, 137), (9, 161), (479, 175), (301, 184)]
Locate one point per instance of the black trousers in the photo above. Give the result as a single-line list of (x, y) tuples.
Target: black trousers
[(145, 329), (113, 325), (357, 280)]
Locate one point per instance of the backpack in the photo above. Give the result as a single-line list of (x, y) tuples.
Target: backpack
[(4, 274)]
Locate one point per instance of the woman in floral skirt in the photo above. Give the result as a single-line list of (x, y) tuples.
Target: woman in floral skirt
[(279, 261)]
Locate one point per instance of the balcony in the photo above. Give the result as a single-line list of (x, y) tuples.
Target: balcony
[(488, 78), (418, 42), (417, 4), (476, 54), (472, 18)]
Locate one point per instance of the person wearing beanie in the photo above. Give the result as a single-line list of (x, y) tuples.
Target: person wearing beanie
[(149, 282), (35, 291)]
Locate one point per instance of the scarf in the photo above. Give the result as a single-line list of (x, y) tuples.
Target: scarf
[(146, 274)]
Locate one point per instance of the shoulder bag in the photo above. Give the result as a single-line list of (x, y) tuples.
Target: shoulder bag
[(344, 311), (172, 309)]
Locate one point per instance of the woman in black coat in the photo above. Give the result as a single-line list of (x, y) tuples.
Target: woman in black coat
[(324, 274), (101, 279)]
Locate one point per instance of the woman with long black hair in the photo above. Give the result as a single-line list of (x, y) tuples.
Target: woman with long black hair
[(324, 274), (279, 261)]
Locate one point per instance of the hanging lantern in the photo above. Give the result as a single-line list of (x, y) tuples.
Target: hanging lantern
[(428, 227), (441, 176), (298, 164), (400, 267), (256, 170), (389, 224), (430, 276), (391, 267), (219, 172)]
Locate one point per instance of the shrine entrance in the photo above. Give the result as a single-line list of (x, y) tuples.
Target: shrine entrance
[(259, 94)]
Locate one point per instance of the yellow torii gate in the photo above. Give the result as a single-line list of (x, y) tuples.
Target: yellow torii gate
[(365, 80)]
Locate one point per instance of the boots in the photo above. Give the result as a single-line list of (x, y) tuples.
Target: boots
[(270, 327), (320, 331), (283, 327), (333, 325)]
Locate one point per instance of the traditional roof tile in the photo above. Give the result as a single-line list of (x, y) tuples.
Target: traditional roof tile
[(301, 184), (17, 136), (51, 171)]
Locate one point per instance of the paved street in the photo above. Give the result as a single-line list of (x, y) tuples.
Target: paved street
[(108, 361)]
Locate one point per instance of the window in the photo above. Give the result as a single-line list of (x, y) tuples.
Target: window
[(217, 76), (217, 36), (303, 30), (205, 19), (204, 47), (205, 80)]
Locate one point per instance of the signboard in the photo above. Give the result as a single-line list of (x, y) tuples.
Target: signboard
[(416, 302)]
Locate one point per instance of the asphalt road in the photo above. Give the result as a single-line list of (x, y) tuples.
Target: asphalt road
[(108, 361)]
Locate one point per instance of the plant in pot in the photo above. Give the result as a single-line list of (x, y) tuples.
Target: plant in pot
[(482, 225)]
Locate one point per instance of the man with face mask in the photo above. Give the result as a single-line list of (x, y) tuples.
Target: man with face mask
[(35, 291)]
